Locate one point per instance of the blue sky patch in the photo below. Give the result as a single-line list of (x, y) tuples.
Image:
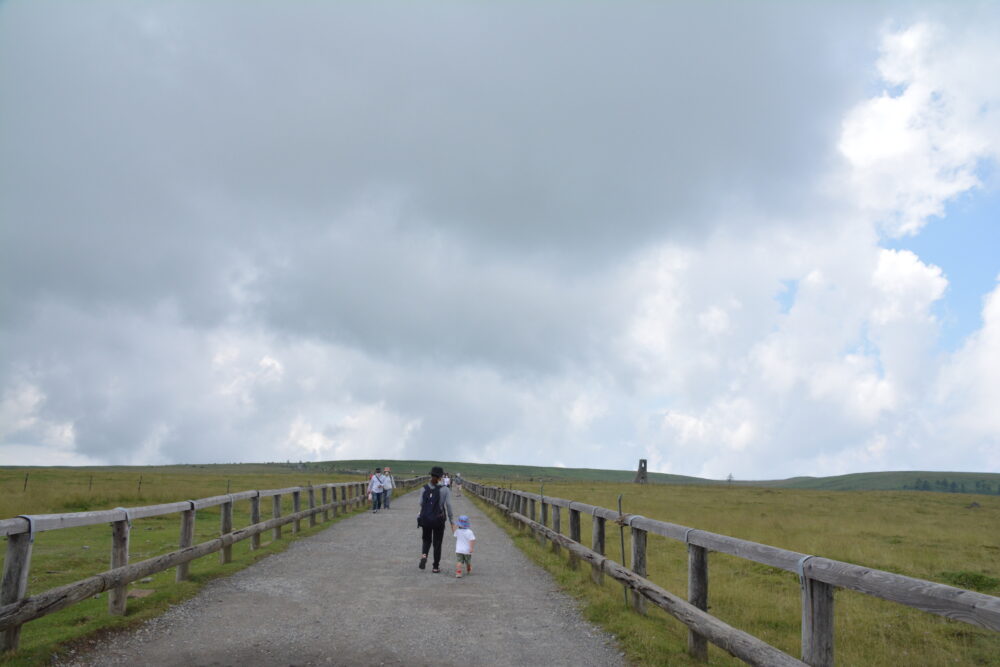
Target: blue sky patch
[(965, 243)]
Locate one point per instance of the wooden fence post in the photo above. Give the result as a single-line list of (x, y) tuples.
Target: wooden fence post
[(312, 505), (556, 526), (14, 586), (544, 520), (255, 518), (275, 513), (343, 499), (187, 539), (817, 623), (226, 527), (597, 544), (698, 596), (118, 596), (296, 507), (638, 566), (326, 512), (531, 509), (574, 534)]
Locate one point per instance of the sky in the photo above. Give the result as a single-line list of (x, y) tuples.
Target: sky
[(754, 238)]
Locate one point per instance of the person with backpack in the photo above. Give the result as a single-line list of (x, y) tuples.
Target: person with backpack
[(376, 486), (435, 511)]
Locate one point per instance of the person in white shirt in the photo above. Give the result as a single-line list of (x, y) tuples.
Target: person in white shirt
[(376, 485), (465, 543)]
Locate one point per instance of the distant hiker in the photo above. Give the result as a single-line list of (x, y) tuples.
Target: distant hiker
[(435, 509), (458, 484), (376, 485), (446, 480), (465, 542), (388, 484)]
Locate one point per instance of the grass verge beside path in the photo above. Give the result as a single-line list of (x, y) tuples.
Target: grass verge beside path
[(940, 537), (63, 556), (654, 639)]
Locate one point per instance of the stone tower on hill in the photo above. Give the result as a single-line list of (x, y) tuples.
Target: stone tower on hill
[(640, 476)]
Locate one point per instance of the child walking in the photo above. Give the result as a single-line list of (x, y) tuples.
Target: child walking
[(465, 542)]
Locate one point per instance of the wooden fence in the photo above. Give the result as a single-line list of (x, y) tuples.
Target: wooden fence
[(16, 608), (818, 577)]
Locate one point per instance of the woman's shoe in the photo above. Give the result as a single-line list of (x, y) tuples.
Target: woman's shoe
[(423, 562)]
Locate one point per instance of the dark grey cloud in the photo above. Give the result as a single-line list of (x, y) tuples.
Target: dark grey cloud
[(155, 142), (425, 208)]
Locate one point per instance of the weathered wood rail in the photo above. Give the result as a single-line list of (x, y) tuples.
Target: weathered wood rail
[(818, 577), (16, 608)]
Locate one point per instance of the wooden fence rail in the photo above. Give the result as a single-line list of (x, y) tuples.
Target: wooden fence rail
[(16, 608), (818, 578)]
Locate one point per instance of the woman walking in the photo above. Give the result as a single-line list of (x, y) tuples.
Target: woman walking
[(435, 510)]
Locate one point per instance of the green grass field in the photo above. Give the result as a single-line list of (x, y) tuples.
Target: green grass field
[(934, 536), (63, 556)]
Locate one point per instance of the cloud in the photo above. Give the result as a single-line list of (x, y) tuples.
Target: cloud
[(969, 385), (488, 233), (920, 143)]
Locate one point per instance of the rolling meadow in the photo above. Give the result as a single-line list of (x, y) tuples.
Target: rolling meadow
[(951, 538), (947, 538)]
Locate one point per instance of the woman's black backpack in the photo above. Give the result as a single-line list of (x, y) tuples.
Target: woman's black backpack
[(431, 513)]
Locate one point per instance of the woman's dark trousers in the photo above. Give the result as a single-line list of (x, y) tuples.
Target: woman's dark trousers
[(437, 534)]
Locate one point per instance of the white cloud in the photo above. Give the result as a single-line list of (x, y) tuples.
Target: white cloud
[(905, 287), (27, 438), (970, 383), (365, 431), (329, 258), (915, 147)]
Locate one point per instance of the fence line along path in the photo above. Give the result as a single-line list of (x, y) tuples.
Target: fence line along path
[(17, 608), (353, 594)]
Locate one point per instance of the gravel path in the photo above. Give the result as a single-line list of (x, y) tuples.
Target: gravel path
[(352, 595)]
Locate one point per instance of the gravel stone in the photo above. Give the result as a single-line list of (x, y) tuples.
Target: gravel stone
[(353, 595)]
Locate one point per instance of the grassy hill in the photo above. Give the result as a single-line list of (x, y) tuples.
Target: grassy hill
[(510, 472), (914, 480), (953, 482), (911, 480)]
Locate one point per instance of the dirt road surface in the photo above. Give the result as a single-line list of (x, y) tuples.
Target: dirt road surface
[(353, 595)]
